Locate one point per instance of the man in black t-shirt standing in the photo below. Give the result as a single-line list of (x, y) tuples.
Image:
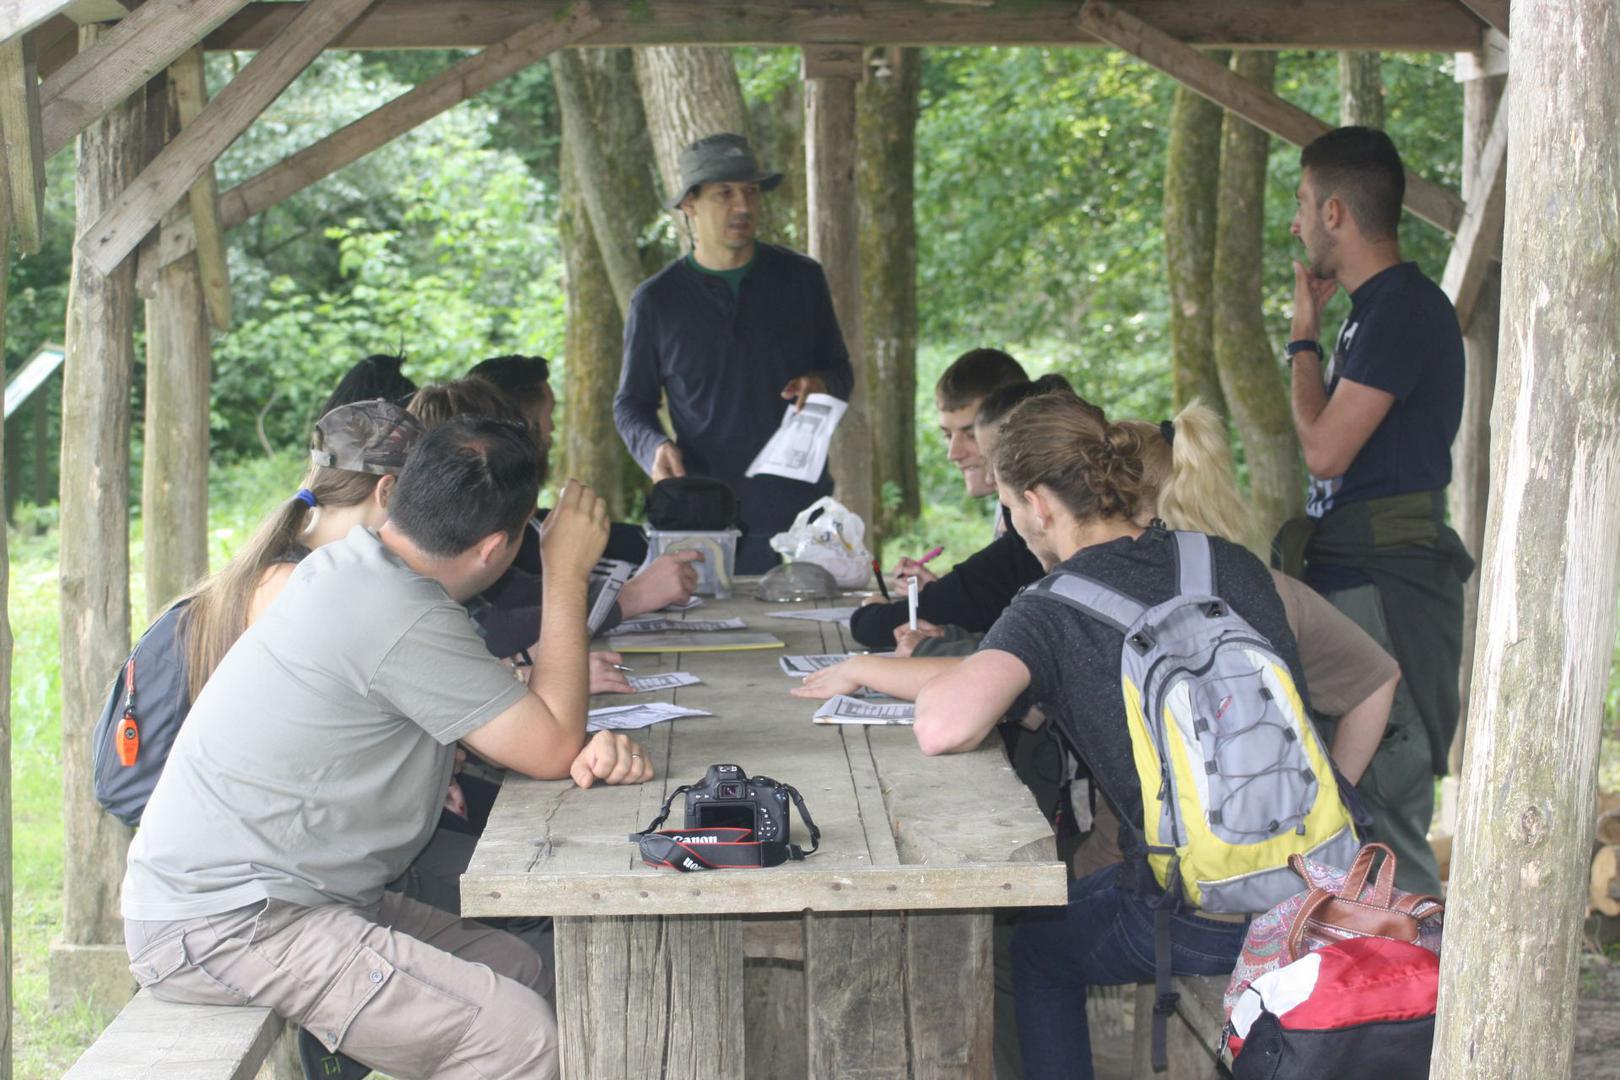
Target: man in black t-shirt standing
[(1376, 428)]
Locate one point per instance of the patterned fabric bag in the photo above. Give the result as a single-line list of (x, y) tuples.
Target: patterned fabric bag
[(1335, 905)]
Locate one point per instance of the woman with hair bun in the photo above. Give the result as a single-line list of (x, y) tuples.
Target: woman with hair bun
[(1078, 491)]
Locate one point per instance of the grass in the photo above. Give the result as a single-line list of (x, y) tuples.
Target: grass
[(47, 1042)]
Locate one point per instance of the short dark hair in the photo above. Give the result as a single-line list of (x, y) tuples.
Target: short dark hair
[(467, 478), (1000, 401), (1362, 166), (377, 376), (523, 379), (973, 375)]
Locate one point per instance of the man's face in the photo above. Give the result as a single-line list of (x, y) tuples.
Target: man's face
[(1320, 245), (539, 419), (963, 448), (723, 215)]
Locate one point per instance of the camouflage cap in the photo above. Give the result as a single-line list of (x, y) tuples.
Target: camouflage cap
[(365, 437)]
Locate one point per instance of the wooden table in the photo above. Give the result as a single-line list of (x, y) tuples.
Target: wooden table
[(890, 917)]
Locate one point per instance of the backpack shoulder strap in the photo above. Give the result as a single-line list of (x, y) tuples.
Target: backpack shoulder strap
[(1195, 564), (1091, 596)]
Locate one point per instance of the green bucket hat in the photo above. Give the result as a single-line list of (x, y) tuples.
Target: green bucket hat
[(720, 157)]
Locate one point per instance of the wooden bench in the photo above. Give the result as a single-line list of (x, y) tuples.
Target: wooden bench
[(158, 1040), (1192, 1035)]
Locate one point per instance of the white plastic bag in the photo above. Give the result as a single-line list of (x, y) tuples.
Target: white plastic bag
[(832, 536)]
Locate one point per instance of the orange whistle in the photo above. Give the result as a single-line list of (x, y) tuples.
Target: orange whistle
[(128, 738)]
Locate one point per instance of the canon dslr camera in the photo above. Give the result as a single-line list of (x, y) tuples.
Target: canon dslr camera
[(727, 798)]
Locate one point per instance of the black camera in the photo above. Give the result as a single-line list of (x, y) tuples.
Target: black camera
[(727, 798)]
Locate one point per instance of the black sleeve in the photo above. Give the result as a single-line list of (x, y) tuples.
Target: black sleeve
[(972, 596)]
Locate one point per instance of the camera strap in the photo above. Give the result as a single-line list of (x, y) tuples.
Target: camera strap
[(722, 847)]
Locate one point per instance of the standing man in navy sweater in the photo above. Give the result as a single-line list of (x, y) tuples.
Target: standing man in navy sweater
[(727, 333)]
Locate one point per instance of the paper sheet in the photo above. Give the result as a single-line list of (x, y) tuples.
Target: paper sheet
[(849, 710), (667, 680), (612, 573), (827, 614), (631, 717), (654, 624), (798, 450), (691, 602), (800, 666)]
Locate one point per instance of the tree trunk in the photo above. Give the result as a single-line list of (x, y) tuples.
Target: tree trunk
[(1361, 89), (606, 132), (593, 347), (1469, 494), (689, 92), (96, 379), (887, 122), (830, 153), (778, 132), (1513, 932), (1252, 379), (1189, 247), (6, 1042)]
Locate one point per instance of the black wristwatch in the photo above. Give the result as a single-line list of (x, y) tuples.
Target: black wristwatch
[(1293, 348)]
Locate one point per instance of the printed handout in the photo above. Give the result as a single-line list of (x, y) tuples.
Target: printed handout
[(799, 448), (667, 680), (654, 624), (826, 615), (850, 710), (630, 717)]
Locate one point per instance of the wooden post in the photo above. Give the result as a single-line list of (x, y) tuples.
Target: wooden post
[(5, 710), (89, 960), (1546, 631), (830, 74), (1469, 494)]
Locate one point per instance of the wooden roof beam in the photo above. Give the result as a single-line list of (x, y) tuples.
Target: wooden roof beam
[(1479, 236), (1493, 13), (21, 16), (24, 145), (181, 163), (1262, 108), (1384, 25), (460, 82), (130, 53)]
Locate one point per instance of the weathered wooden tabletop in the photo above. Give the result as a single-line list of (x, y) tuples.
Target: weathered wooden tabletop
[(898, 830)]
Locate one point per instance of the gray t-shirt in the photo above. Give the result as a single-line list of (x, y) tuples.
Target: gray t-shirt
[(313, 764)]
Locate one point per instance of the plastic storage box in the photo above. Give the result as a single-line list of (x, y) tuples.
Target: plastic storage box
[(715, 569)]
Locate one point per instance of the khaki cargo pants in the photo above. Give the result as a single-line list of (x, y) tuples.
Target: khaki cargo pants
[(408, 989)]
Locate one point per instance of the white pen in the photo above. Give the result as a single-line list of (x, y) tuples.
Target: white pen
[(911, 599)]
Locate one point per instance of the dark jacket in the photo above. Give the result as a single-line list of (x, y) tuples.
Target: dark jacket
[(722, 362), (972, 596)]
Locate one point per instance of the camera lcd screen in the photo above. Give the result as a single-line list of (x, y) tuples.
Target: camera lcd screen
[(734, 816)]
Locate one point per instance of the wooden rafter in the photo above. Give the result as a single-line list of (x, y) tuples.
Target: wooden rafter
[(133, 50), (21, 139), (1493, 13), (1385, 25), (188, 84), (178, 165), (1479, 236), (1262, 108), (460, 82)]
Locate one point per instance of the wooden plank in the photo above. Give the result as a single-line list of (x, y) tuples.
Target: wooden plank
[(1479, 237), (140, 206), (188, 83), (179, 1042), (854, 980), (950, 991), (21, 16), (21, 137), (1493, 13), (650, 997), (1260, 107), (833, 62), (129, 54), (56, 42), (1384, 25)]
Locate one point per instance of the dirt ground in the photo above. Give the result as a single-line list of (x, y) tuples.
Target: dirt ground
[(1597, 1024)]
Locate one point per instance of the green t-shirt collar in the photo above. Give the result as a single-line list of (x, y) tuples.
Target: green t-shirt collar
[(733, 278)]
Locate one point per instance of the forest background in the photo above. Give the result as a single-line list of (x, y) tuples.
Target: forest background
[(1067, 205)]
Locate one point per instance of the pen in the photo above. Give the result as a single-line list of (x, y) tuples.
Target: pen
[(931, 555), (620, 667), (911, 599), (877, 571)]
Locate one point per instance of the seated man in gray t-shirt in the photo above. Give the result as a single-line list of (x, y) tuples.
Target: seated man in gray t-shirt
[(311, 769)]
